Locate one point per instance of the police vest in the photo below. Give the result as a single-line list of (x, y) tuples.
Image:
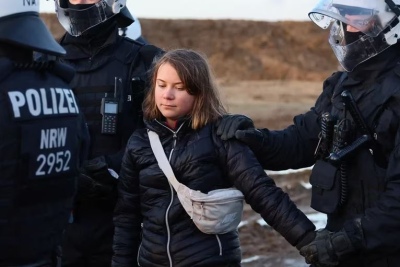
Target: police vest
[(360, 178), (41, 134), (118, 71)]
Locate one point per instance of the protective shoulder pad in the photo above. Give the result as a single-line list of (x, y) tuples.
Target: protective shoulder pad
[(148, 53), (64, 71)]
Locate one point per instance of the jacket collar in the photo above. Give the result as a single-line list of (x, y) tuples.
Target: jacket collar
[(368, 71), (80, 47), (160, 126)]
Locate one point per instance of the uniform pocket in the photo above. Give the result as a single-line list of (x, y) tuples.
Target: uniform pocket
[(325, 187)]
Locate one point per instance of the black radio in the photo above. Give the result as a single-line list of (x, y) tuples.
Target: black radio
[(109, 110), (110, 107)]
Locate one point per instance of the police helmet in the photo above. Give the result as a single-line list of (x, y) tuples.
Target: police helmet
[(76, 21), (133, 31), (21, 25), (360, 29)]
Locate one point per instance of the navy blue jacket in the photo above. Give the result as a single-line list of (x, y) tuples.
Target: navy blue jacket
[(201, 161)]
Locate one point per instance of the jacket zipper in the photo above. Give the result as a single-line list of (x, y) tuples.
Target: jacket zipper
[(219, 245), (140, 246), (172, 197), (174, 136)]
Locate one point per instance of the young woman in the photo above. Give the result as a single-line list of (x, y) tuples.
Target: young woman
[(151, 226)]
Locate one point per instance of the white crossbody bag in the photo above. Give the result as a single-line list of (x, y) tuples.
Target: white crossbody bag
[(217, 212)]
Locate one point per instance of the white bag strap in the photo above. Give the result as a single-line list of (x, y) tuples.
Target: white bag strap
[(162, 160)]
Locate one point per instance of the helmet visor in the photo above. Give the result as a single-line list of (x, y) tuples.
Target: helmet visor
[(368, 16), (352, 53), (77, 21)]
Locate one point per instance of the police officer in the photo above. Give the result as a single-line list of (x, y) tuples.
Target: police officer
[(109, 84), (42, 140), (352, 135)]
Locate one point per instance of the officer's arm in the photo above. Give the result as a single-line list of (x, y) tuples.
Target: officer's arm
[(292, 147)]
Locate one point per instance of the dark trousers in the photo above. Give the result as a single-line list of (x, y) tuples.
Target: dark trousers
[(88, 240)]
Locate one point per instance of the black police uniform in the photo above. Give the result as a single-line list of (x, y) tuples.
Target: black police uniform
[(116, 67), (362, 180), (43, 138)]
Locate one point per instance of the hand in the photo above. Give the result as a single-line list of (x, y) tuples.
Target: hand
[(311, 255), (95, 164), (89, 189), (97, 169), (86, 186), (327, 248), (253, 138), (229, 124)]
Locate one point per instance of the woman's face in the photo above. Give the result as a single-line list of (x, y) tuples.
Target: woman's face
[(171, 96)]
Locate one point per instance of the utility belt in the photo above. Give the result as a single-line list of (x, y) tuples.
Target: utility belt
[(339, 142)]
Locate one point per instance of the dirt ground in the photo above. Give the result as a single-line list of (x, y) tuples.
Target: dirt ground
[(271, 104)]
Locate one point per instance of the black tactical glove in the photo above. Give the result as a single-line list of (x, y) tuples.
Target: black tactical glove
[(327, 248), (95, 181), (90, 189), (229, 124), (97, 169), (253, 138)]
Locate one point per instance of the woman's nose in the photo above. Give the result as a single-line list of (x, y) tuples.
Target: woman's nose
[(168, 93)]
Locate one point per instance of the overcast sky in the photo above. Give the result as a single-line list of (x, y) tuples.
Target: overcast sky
[(269, 10)]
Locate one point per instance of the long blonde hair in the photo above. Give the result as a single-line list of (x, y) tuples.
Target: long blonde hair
[(195, 73)]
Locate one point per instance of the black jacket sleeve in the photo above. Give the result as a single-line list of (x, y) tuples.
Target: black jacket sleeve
[(294, 147), (262, 194), (127, 215)]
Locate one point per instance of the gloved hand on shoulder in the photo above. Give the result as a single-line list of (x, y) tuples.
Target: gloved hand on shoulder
[(242, 128), (229, 124), (328, 248)]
